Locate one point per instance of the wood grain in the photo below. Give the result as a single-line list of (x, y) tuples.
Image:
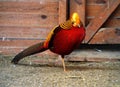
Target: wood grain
[(78, 6), (18, 43), (29, 7), (99, 20), (94, 9), (28, 20), (24, 32), (107, 36), (62, 11)]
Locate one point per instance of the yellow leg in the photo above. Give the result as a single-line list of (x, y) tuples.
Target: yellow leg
[(63, 64)]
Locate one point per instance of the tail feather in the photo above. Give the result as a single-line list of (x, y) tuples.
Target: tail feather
[(29, 51)]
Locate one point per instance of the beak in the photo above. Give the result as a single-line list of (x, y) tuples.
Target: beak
[(79, 25)]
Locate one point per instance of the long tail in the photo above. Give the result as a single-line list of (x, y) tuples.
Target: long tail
[(29, 51)]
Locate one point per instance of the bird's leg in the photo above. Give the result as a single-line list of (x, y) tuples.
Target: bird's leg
[(63, 65), (63, 62)]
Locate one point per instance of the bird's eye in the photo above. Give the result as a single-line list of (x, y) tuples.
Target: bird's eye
[(73, 22)]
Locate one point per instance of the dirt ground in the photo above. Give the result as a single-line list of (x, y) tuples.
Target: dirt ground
[(79, 74)]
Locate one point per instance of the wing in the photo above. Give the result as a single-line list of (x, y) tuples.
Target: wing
[(55, 30)]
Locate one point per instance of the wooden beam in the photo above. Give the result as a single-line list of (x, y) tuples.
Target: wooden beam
[(78, 6), (62, 10), (82, 12), (99, 20)]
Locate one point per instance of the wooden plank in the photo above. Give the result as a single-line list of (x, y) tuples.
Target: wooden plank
[(98, 21), (117, 12), (96, 1), (24, 32), (107, 36), (15, 46), (114, 19), (40, 20), (62, 11), (83, 14), (29, 7), (78, 6), (94, 9), (38, 1), (112, 22), (10, 51), (17, 43)]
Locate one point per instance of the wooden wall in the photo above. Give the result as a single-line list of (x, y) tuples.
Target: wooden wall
[(26, 22), (105, 14)]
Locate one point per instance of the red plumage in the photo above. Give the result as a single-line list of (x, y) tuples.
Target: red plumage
[(66, 40)]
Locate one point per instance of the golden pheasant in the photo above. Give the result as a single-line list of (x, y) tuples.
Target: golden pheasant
[(62, 40)]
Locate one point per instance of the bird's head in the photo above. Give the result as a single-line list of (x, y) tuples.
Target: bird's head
[(75, 20)]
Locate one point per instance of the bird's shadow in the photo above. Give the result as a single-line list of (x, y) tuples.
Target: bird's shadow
[(85, 68), (72, 67), (32, 65)]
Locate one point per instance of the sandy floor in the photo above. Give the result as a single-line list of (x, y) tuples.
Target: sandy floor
[(80, 74)]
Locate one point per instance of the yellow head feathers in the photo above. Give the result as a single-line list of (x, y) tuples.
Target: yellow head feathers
[(75, 19)]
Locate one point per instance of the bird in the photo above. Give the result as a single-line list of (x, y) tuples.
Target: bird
[(62, 40)]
